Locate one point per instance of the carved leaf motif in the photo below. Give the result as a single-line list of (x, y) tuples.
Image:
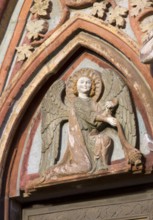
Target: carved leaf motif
[(117, 16), (24, 52), (99, 9), (36, 27), (139, 5), (40, 7)]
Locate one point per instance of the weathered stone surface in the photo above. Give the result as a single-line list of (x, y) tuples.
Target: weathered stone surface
[(60, 47), (122, 207)]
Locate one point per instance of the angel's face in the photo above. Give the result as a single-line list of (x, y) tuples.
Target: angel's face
[(84, 85)]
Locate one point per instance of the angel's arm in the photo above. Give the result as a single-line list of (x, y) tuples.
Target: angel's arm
[(111, 104), (106, 115), (108, 119), (115, 87)]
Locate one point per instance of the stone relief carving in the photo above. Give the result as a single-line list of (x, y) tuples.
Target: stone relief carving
[(146, 52), (41, 8), (109, 11), (92, 103), (100, 9), (133, 210), (141, 17), (36, 28), (113, 15), (139, 5), (24, 52), (79, 3), (117, 16), (146, 29)]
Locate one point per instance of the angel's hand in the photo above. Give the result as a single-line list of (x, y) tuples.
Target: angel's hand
[(109, 104), (112, 121)]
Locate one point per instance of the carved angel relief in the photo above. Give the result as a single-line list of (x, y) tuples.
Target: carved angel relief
[(92, 103), (146, 53)]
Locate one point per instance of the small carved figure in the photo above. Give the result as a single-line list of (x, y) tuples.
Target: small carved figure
[(146, 52), (94, 102)]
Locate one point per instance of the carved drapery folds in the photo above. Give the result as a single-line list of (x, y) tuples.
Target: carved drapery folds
[(89, 124), (94, 106), (109, 118)]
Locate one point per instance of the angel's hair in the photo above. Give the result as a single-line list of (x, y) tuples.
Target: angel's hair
[(96, 83)]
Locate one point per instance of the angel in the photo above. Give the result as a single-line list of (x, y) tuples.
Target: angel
[(146, 54), (91, 102)]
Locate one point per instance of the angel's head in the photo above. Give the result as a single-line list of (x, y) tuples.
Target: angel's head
[(84, 85), (87, 76)]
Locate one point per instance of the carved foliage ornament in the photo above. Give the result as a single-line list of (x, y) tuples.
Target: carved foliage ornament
[(100, 9), (105, 10), (115, 16), (24, 52), (36, 28), (139, 5), (41, 7), (93, 103)]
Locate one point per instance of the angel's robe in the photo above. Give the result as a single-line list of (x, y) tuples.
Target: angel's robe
[(82, 137)]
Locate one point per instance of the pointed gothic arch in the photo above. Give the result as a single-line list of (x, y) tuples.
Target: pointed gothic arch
[(78, 32)]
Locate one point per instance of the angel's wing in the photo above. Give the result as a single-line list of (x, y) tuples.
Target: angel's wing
[(115, 87), (54, 113)]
